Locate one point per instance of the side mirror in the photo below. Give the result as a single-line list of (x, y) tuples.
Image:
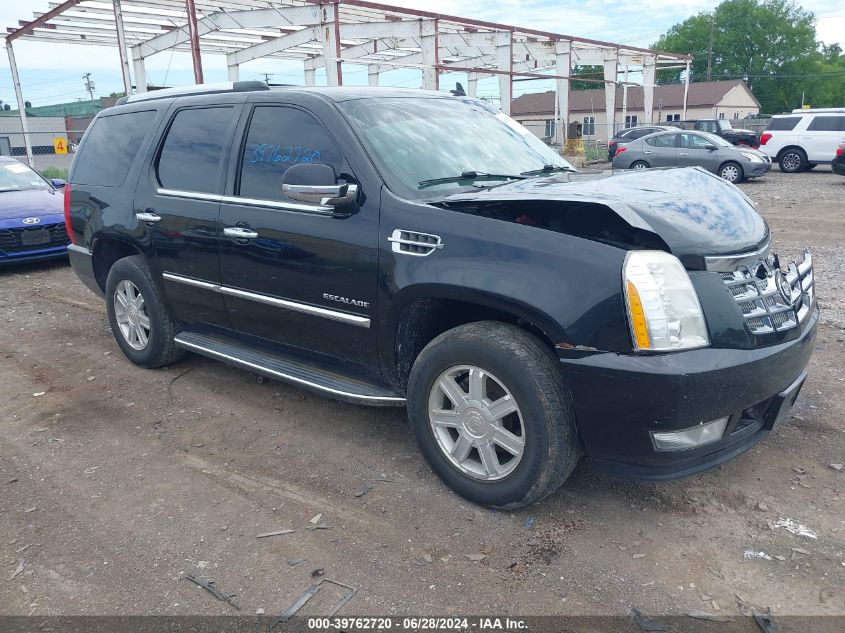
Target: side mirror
[(57, 183), (710, 146), (317, 184)]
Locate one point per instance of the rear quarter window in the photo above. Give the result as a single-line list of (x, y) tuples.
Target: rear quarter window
[(110, 148), (827, 124), (783, 124)]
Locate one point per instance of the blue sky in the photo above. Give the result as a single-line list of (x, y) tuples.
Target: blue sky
[(53, 73)]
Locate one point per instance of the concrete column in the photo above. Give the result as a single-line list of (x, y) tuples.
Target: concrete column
[(121, 47), (563, 66), (610, 70), (140, 73), (686, 91), (504, 60), (649, 67), (21, 103), (372, 74), (310, 77), (429, 45), (331, 43), (234, 71), (472, 84)]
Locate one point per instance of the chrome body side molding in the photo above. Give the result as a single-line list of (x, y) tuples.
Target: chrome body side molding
[(343, 317)]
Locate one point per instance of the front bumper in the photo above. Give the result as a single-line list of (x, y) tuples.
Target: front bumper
[(37, 255), (755, 170), (620, 399), (838, 167)]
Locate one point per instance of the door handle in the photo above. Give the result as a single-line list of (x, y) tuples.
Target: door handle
[(683, 154), (148, 216), (240, 233), (647, 151)]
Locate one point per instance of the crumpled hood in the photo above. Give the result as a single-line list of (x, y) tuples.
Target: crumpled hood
[(694, 212), (27, 204)]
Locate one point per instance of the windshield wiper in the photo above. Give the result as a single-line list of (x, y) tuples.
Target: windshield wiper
[(546, 169), (470, 176)]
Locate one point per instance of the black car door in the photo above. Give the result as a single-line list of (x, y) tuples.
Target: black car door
[(179, 201), (295, 273)]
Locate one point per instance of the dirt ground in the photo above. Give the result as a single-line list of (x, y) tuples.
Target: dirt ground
[(116, 481)]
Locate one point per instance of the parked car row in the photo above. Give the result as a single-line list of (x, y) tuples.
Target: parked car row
[(722, 128), (673, 148)]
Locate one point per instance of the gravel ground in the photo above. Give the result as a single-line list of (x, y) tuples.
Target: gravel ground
[(116, 481)]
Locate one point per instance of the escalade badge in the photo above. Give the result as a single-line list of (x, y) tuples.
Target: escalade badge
[(31, 220), (352, 302)]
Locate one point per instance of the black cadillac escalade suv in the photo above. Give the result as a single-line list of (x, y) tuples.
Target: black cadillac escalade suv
[(400, 247)]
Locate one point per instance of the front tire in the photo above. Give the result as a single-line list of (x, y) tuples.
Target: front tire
[(792, 161), (139, 319), (490, 411), (732, 172)]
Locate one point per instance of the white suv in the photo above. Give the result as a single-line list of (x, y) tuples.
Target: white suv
[(804, 139)]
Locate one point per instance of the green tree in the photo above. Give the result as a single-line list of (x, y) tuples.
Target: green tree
[(771, 44)]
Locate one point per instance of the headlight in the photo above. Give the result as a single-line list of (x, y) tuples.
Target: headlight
[(752, 157), (663, 308)]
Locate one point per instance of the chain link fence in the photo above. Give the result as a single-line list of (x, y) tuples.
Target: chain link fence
[(52, 149)]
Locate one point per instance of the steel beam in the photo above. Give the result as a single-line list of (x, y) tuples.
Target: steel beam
[(563, 66), (42, 20), (140, 74), (290, 40), (649, 68), (504, 60), (121, 47), (330, 36), (21, 103), (253, 18), (611, 68), (428, 38)]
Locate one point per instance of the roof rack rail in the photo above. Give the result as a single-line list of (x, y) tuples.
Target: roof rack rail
[(812, 110), (202, 89)]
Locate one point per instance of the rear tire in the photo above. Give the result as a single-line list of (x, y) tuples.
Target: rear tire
[(732, 172), (482, 393), (140, 321), (639, 164), (792, 160)]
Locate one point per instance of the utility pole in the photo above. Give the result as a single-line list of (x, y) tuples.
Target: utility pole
[(710, 48), (267, 77), (89, 86)]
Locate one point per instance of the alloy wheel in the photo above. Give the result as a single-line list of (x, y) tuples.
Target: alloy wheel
[(130, 312), (791, 161), (476, 422)]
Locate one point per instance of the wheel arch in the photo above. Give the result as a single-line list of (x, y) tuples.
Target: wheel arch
[(421, 313), (785, 149), (105, 251)]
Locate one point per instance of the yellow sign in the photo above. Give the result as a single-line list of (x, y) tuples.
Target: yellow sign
[(60, 145), (806, 106)]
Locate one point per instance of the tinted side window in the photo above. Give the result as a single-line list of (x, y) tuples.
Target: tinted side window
[(784, 123), (193, 149), (279, 137), (827, 124), (664, 140), (110, 148)]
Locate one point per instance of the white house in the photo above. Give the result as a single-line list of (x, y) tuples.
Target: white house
[(706, 100)]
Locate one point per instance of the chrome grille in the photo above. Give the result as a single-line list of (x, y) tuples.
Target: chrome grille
[(773, 300)]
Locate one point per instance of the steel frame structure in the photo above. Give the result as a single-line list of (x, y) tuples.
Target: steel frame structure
[(330, 33)]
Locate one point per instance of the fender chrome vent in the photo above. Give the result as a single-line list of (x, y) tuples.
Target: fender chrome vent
[(413, 243)]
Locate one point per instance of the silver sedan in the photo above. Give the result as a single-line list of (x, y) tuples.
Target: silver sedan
[(687, 149)]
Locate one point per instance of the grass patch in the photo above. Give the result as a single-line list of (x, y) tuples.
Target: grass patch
[(54, 172)]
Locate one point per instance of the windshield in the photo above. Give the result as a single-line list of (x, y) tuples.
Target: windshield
[(18, 177), (417, 140), (718, 141), (724, 125)]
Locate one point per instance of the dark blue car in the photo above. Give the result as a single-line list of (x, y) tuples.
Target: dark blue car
[(32, 223)]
